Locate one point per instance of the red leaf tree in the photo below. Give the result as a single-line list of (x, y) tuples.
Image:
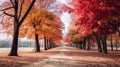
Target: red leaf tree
[(101, 17)]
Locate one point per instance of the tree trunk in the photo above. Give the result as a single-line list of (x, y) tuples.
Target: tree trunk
[(45, 44), (116, 47), (98, 43), (84, 44), (54, 45), (88, 47), (104, 43), (88, 44), (50, 43), (37, 47), (14, 48), (80, 45), (76, 45), (17, 24), (111, 44)]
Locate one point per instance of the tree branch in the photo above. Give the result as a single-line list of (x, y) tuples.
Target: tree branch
[(12, 3), (6, 8), (8, 14), (20, 9), (28, 10)]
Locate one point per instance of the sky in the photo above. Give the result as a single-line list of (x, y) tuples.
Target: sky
[(1, 1), (65, 18)]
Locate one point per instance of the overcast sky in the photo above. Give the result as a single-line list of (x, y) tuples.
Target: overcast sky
[(66, 18)]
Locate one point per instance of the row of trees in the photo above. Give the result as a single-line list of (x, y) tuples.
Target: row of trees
[(93, 19), (31, 19), (87, 42)]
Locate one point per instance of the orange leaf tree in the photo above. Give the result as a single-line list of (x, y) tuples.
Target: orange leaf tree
[(14, 9), (44, 23)]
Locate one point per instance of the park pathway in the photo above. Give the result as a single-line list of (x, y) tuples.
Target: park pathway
[(58, 60), (72, 57)]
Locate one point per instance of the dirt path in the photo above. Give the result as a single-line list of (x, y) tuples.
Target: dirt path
[(61, 57), (58, 60), (72, 57)]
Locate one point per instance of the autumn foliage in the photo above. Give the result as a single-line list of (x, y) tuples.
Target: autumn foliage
[(32, 19), (94, 17), (44, 23)]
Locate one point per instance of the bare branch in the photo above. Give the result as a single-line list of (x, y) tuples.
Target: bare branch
[(6, 8), (12, 2), (8, 14), (20, 9)]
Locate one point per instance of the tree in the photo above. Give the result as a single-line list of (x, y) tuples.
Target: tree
[(31, 27), (16, 8), (53, 26), (43, 23)]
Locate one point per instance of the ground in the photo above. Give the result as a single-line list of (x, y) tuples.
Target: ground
[(61, 57)]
